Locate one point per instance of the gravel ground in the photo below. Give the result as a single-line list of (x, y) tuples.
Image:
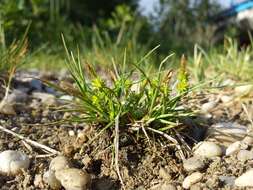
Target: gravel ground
[(225, 125)]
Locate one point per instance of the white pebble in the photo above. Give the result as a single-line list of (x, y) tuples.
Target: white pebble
[(226, 98), (245, 180), (244, 155), (71, 133), (73, 179), (235, 147), (13, 162), (208, 106), (207, 149), (192, 179)]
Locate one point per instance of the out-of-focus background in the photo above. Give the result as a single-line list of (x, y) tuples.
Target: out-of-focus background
[(175, 25)]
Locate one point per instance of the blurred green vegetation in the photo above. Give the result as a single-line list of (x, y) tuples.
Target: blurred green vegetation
[(105, 29)]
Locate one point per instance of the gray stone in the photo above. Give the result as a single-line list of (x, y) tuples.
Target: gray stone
[(13, 162), (226, 133), (227, 180), (46, 99), (193, 164)]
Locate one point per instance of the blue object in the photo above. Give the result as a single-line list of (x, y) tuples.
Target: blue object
[(235, 9)]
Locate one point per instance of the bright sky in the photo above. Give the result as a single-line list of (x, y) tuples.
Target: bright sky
[(148, 5)]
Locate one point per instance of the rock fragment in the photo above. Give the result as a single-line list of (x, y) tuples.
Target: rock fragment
[(73, 179), (13, 162), (192, 179), (207, 149)]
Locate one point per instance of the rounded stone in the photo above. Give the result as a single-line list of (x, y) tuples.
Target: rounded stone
[(248, 140), (235, 147), (59, 163), (245, 180), (244, 155), (13, 162), (73, 179), (192, 179), (193, 164), (208, 149), (50, 179)]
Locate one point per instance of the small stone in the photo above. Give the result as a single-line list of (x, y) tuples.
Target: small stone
[(235, 147), (13, 162), (245, 180), (196, 187), (207, 149), (36, 84), (71, 133), (248, 140), (192, 179), (7, 108), (227, 180), (206, 107), (244, 155), (164, 174), (167, 186), (17, 96), (193, 164), (50, 179), (59, 163), (226, 99), (66, 98), (226, 133), (73, 179), (46, 99)]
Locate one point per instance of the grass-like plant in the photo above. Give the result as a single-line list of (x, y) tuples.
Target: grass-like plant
[(233, 62), (12, 57), (130, 100), (137, 98)]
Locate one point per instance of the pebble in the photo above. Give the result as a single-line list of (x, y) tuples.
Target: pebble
[(192, 179), (17, 96), (7, 108), (226, 98), (226, 133), (244, 155), (207, 149), (71, 133), (164, 174), (193, 164), (59, 163), (235, 147), (46, 99), (248, 140), (73, 179), (50, 179), (245, 180), (227, 180), (66, 98), (208, 106), (36, 84), (13, 162), (167, 186)]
